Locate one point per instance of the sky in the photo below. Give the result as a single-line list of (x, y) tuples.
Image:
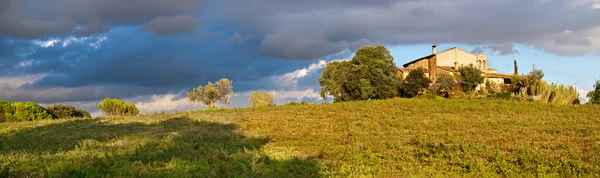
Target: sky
[(151, 52)]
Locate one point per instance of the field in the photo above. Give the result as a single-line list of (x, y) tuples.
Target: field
[(398, 137)]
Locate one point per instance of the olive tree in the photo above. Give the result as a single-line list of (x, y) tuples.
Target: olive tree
[(212, 93), (470, 78)]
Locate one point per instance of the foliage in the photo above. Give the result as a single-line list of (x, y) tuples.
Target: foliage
[(261, 99), (470, 78), (381, 138), (212, 93), (594, 95), (67, 111), (21, 111), (2, 119), (116, 107), (445, 85), (371, 74), (414, 83), (552, 93), (528, 84), (492, 87)]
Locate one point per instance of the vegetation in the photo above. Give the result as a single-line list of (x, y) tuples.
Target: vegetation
[(415, 82), (594, 95), (259, 99), (381, 138), (212, 93), (116, 107), (67, 111), (371, 74), (445, 85), (516, 68), (21, 111), (470, 78)]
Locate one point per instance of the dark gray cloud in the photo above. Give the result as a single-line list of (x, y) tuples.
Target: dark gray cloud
[(397, 22), (504, 49), (171, 25), (32, 19)]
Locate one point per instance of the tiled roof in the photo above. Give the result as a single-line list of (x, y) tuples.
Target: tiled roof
[(493, 75)]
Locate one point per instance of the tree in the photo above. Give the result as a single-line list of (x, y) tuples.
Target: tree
[(211, 93), (23, 111), (116, 107), (594, 95), (516, 68), (371, 74), (67, 111), (470, 78), (261, 99), (445, 84), (414, 83)]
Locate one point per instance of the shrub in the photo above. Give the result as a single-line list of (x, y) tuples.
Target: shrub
[(445, 85), (304, 102), (291, 103), (552, 93), (470, 78), (211, 93), (2, 114), (21, 111), (414, 83), (67, 111), (594, 95), (116, 107), (492, 87), (261, 99)]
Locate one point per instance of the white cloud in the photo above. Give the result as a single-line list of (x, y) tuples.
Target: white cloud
[(16, 82), (45, 44), (98, 42), (583, 95), (167, 103)]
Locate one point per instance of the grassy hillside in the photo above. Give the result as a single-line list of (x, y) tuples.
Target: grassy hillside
[(400, 137)]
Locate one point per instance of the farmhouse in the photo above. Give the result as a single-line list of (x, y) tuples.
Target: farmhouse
[(449, 61)]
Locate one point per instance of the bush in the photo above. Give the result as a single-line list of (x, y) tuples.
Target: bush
[(21, 111), (552, 93), (445, 85), (261, 99), (291, 103), (116, 107), (594, 95), (470, 78), (67, 111), (414, 83)]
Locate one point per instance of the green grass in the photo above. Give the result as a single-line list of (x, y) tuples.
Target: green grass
[(399, 137)]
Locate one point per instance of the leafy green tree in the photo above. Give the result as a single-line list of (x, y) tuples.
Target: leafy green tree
[(212, 93), (261, 99), (67, 111), (594, 95), (470, 78), (21, 111), (371, 74), (116, 107), (415, 82)]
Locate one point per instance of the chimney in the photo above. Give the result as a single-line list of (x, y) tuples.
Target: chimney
[(433, 49), (455, 65)]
